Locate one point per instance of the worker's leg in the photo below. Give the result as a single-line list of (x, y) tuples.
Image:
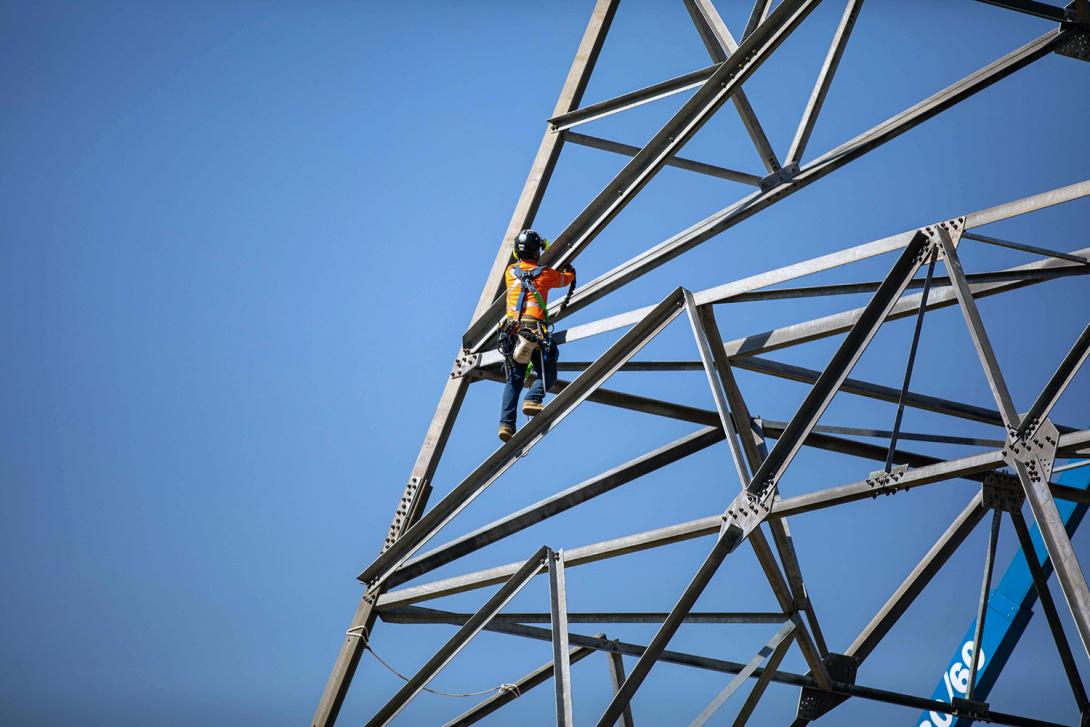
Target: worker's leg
[(546, 375), (516, 375)]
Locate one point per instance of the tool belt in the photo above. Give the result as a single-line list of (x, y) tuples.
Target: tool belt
[(527, 337)]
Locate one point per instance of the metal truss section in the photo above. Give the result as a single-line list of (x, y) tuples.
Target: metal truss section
[(1011, 466)]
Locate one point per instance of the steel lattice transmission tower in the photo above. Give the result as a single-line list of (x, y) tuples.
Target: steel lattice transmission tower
[(1026, 441)]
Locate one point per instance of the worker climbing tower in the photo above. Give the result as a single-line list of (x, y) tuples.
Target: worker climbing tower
[(1012, 467)]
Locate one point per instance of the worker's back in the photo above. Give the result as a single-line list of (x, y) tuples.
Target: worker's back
[(545, 280)]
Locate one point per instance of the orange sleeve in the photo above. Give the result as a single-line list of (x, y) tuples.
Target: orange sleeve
[(550, 278)]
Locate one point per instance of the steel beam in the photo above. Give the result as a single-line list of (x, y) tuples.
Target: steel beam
[(768, 563), (967, 303), (1072, 494), (886, 434), (616, 679), (632, 99), (1036, 202), (690, 165), (824, 80), (631, 366), (558, 604), (860, 449), (1030, 7), (716, 385), (411, 615), (462, 637), (1025, 248), (735, 403), (717, 366), (911, 362), (781, 637), (781, 535), (1052, 616), (524, 439), (1057, 384), (982, 609), (757, 16), (632, 402)]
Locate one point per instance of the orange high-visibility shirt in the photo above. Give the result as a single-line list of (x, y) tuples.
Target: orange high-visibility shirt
[(545, 281)]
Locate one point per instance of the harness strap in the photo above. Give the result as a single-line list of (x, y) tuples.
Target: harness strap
[(526, 282)]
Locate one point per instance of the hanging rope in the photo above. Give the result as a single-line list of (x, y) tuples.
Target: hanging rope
[(513, 688)]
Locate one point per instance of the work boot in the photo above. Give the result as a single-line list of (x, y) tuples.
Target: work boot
[(506, 431), (532, 408)]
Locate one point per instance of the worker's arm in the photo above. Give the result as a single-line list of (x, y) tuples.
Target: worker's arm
[(550, 278)]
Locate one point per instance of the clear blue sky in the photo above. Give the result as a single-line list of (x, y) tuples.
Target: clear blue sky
[(240, 242)]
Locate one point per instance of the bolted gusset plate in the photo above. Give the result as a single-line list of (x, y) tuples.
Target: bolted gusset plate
[(781, 175), (814, 703), (953, 227), (1037, 452), (881, 479), (1078, 47), (465, 363), (1003, 492), (747, 511)]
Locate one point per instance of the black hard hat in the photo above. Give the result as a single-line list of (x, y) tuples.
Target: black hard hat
[(528, 244)]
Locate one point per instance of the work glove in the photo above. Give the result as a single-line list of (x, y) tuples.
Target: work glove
[(507, 325), (567, 268)]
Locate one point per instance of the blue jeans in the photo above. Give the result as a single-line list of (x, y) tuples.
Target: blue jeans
[(516, 377)]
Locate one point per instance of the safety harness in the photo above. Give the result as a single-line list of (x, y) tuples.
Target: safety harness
[(507, 338), (526, 283)]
